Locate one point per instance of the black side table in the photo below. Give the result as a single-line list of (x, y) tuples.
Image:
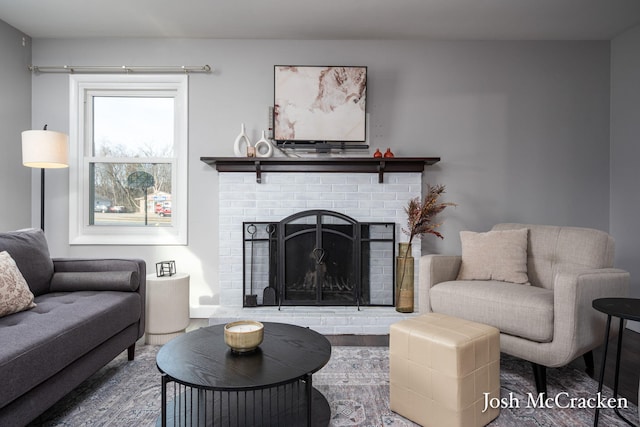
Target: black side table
[(625, 309)]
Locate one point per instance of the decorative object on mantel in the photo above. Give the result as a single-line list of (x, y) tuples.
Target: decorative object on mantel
[(243, 336), (388, 153), (263, 147), (420, 217), (165, 268), (242, 143), (377, 154)]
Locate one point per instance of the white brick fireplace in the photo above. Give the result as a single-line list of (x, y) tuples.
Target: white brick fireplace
[(358, 195)]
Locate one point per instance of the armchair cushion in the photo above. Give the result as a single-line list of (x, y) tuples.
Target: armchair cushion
[(494, 255), (15, 295), (553, 249), (523, 311)]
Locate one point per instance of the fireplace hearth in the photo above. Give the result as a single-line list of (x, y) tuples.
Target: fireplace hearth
[(318, 257)]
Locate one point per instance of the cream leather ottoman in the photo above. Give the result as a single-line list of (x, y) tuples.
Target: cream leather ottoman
[(440, 367)]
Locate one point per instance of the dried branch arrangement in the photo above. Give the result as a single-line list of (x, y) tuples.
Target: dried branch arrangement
[(421, 214)]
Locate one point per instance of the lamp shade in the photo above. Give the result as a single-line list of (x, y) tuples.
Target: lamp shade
[(45, 149)]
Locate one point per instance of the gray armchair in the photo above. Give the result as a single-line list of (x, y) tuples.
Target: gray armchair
[(548, 321)]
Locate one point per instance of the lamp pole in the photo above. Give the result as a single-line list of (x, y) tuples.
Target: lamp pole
[(42, 198)]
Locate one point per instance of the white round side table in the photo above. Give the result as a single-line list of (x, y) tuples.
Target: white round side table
[(167, 307)]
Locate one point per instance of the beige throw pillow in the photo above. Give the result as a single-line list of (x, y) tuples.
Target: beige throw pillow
[(494, 255), (15, 294)]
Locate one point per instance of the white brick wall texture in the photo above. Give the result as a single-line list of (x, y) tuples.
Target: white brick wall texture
[(360, 196)]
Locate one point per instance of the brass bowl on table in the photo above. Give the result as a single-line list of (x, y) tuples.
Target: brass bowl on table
[(244, 335)]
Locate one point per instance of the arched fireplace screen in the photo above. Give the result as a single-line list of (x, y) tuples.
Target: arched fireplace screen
[(318, 257)]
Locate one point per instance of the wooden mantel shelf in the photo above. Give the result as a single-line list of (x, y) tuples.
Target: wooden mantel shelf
[(320, 164)]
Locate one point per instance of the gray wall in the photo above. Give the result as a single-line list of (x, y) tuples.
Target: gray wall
[(625, 152), (522, 127), (15, 116)]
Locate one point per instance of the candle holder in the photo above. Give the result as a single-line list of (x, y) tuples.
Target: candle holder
[(243, 336)]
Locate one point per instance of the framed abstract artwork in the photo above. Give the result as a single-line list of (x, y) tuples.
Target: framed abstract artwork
[(315, 104)]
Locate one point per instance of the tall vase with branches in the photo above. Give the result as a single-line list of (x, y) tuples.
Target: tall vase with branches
[(421, 217)]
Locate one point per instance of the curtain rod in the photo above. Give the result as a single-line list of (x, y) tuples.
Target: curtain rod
[(119, 69)]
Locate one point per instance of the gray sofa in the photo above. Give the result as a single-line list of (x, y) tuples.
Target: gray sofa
[(548, 320), (87, 312)]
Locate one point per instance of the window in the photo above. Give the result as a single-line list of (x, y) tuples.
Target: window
[(128, 176)]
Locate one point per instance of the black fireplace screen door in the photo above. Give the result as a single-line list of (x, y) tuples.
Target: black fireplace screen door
[(321, 249), (318, 257)]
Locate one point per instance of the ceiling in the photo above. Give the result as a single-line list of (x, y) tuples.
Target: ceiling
[(325, 19)]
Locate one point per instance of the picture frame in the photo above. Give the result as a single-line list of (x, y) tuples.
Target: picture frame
[(320, 104)]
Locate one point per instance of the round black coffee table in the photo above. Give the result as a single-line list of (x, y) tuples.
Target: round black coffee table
[(623, 308), (270, 386)]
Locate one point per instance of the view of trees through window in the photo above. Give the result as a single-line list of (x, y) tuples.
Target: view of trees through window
[(131, 169)]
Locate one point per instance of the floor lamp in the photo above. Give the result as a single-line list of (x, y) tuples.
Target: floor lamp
[(44, 149)]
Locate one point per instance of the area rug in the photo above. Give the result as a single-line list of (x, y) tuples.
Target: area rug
[(355, 382)]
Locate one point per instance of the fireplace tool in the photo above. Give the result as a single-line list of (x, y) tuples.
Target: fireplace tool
[(269, 293), (251, 300)]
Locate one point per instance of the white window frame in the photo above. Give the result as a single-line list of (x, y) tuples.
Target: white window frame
[(80, 156)]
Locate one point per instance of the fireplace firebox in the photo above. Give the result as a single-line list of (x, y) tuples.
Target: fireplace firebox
[(318, 257)]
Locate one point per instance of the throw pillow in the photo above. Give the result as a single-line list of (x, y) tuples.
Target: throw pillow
[(15, 294), (494, 255), (29, 250)]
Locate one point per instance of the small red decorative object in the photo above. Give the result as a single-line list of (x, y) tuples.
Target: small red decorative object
[(377, 154), (388, 153)]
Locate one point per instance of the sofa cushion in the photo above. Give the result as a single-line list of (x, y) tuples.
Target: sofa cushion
[(494, 255), (524, 311), (63, 327), (15, 295), (29, 250), (126, 281)]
